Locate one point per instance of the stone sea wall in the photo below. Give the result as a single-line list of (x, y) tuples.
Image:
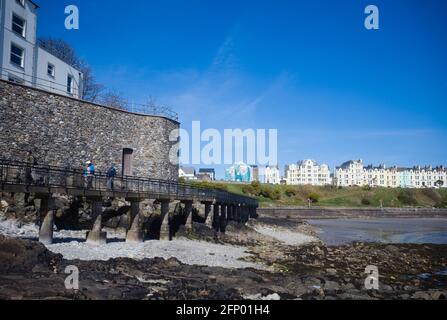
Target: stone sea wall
[(62, 131)]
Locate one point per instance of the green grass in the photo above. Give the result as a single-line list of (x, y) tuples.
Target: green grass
[(336, 197)]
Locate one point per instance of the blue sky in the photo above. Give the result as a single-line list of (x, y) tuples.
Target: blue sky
[(334, 90)]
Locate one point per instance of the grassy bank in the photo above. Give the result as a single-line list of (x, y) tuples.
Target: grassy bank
[(280, 195)]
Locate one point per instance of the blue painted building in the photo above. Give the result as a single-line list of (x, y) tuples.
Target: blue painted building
[(239, 172)]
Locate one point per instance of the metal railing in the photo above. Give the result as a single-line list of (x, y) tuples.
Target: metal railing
[(27, 174), (22, 78)]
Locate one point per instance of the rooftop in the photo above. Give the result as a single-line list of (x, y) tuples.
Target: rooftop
[(188, 170)]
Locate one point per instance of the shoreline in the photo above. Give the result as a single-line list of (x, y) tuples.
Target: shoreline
[(295, 265), (311, 272), (335, 213)]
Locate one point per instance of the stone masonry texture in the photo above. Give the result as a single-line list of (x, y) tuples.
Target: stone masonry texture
[(66, 132)]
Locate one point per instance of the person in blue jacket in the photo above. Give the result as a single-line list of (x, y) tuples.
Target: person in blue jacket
[(89, 173), (111, 174)]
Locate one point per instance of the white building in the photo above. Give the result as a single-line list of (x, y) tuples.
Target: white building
[(382, 177), (353, 173), (187, 173), (271, 175), (427, 177), (308, 172), (23, 61), (208, 172), (350, 173)]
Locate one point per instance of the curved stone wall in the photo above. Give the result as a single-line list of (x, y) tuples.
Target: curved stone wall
[(67, 132)]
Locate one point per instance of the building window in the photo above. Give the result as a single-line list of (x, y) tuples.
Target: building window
[(21, 2), (17, 56), (51, 70), (19, 25), (70, 84)]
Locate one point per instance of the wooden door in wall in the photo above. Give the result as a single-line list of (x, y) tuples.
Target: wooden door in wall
[(127, 162)]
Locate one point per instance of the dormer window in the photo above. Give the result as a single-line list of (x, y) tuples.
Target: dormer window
[(19, 25)]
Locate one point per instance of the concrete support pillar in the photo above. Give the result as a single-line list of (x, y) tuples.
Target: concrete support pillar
[(247, 214), (135, 232), (96, 236), (240, 214), (46, 220), (216, 217), (229, 212), (165, 229), (237, 216), (209, 216), (223, 218), (244, 213), (253, 214), (188, 213)]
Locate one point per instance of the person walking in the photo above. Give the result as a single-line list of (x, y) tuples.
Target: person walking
[(111, 174), (30, 162), (86, 173), (89, 173)]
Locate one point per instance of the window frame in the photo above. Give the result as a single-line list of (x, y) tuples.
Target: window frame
[(22, 65), (23, 33), (70, 81), (52, 74)]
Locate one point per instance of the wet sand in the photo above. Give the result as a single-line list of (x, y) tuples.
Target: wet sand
[(381, 230)]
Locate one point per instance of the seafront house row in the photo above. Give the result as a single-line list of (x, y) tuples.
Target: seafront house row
[(309, 172), (24, 61), (354, 173)]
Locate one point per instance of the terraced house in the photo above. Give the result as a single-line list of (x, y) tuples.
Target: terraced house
[(427, 177), (308, 172), (353, 173), (382, 177), (271, 175), (350, 173)]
